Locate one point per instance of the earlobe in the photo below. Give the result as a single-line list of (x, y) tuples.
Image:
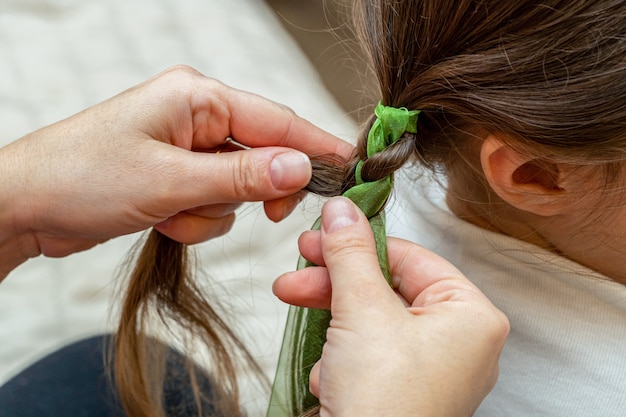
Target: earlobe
[(526, 183)]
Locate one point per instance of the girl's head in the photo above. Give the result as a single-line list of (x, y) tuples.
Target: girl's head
[(548, 75), (523, 104)]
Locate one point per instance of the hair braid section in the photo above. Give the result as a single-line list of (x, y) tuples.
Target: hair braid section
[(332, 176)]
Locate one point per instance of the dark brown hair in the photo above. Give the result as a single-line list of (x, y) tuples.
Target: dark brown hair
[(546, 74), (549, 74)]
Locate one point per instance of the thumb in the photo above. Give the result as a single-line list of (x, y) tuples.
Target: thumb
[(349, 252), (257, 174)]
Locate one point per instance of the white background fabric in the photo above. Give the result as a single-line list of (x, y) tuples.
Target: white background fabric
[(60, 56)]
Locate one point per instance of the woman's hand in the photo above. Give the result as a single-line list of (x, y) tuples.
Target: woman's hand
[(112, 170), (429, 348)]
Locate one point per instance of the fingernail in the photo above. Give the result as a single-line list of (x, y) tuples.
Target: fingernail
[(290, 170), (292, 204), (338, 213)]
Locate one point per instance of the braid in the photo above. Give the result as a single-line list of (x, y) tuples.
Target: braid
[(391, 159), (332, 176)]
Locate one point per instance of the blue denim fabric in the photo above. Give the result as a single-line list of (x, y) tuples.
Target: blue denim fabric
[(73, 382)]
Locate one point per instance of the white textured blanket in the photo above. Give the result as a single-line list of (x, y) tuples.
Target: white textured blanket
[(60, 56)]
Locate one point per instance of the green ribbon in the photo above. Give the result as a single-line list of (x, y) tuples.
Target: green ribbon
[(305, 331)]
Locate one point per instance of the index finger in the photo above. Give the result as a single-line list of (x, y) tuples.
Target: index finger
[(256, 121), (423, 277)]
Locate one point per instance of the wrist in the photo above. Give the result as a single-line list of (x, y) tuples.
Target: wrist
[(16, 246), (13, 252)]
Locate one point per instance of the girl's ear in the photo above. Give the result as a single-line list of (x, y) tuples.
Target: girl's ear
[(529, 184)]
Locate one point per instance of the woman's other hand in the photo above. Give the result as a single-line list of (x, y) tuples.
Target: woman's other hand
[(429, 348), (149, 156)]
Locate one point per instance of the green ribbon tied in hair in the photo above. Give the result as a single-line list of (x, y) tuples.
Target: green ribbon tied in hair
[(305, 331)]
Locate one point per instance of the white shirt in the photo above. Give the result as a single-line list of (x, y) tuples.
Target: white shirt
[(566, 354)]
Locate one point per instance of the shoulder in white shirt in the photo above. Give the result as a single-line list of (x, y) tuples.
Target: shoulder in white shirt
[(566, 354)]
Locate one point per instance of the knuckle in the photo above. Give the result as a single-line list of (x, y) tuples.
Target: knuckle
[(180, 70), (497, 327), (503, 326), (287, 109), (213, 85), (245, 183), (179, 77), (347, 245)]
